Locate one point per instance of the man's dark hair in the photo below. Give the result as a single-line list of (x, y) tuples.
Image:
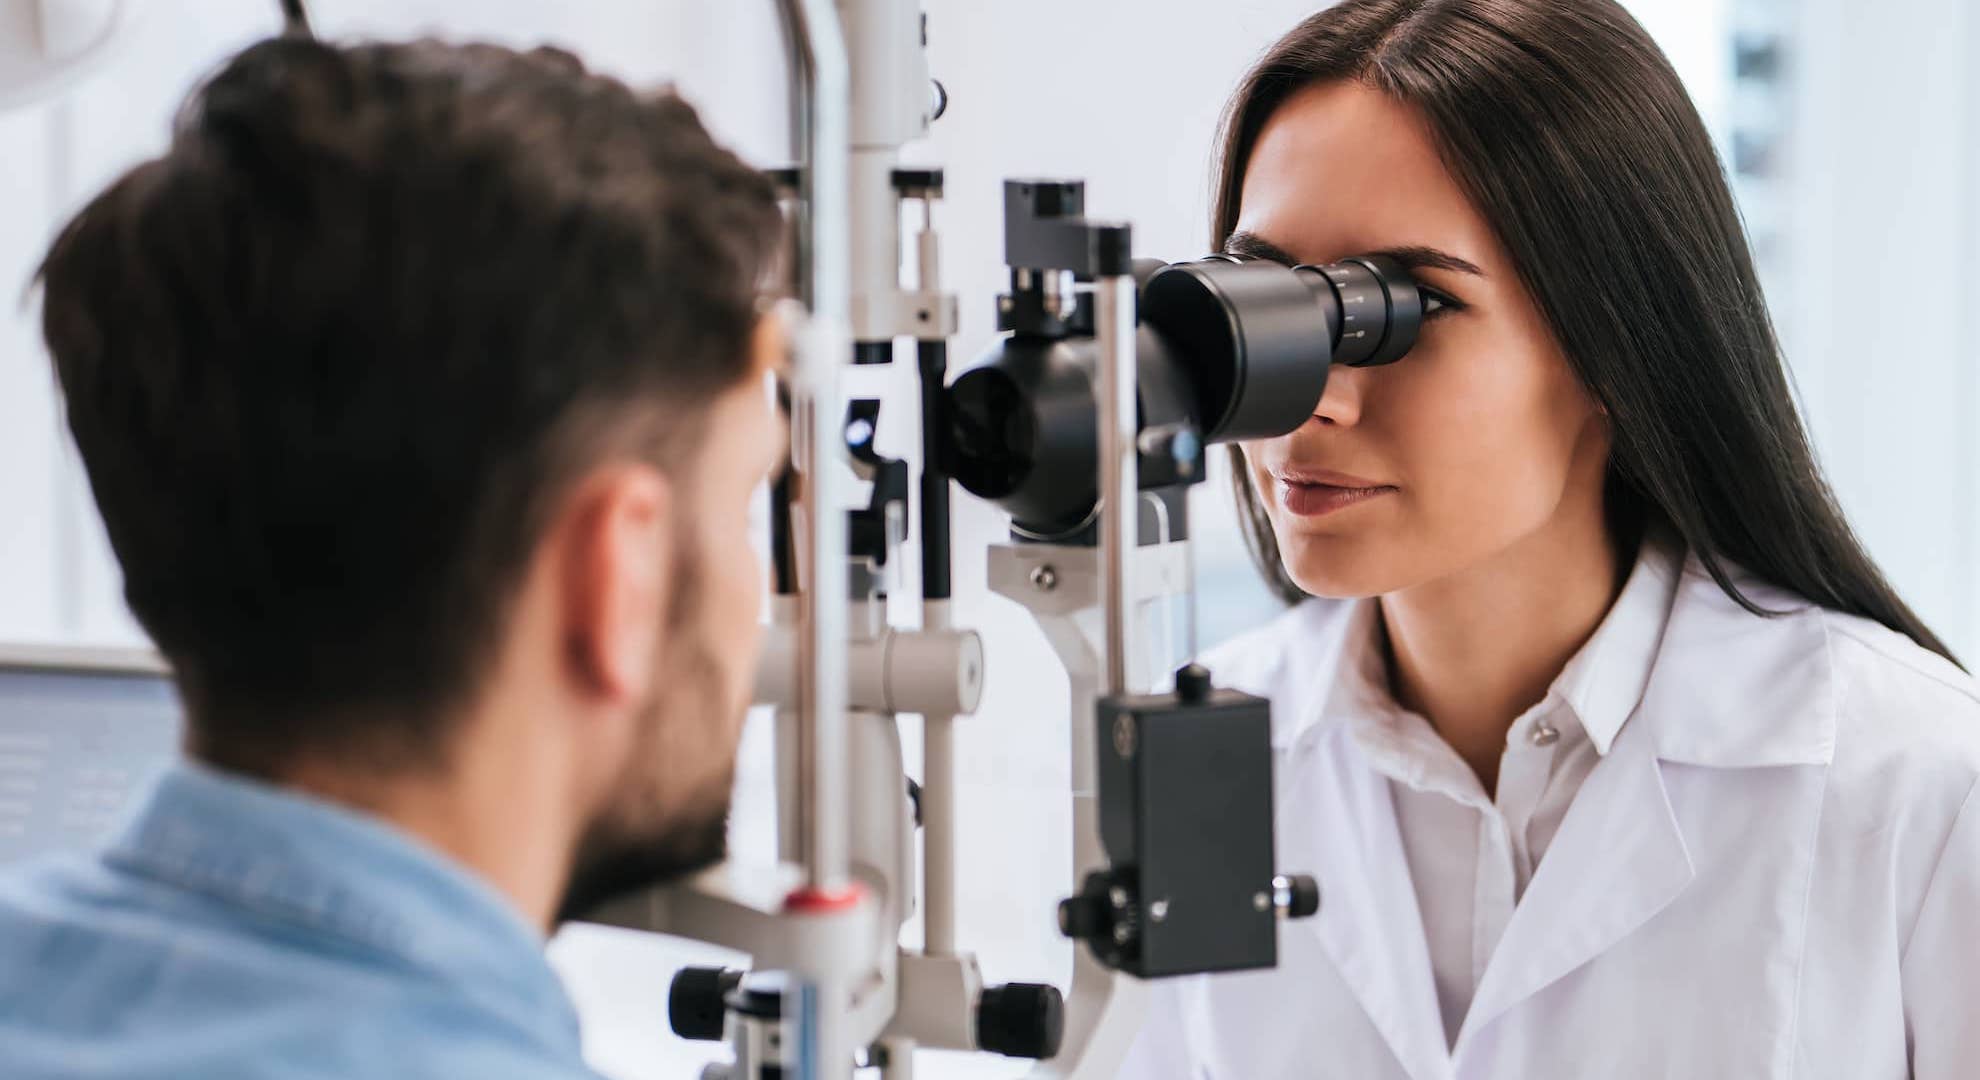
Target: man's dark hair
[(332, 359)]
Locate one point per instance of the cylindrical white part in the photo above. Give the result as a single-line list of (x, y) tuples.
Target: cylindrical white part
[(891, 98), (890, 106), (899, 1064), (934, 671), (938, 808), (1114, 297), (930, 672), (876, 242)]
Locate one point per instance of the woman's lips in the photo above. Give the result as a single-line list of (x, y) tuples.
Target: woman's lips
[(1317, 494)]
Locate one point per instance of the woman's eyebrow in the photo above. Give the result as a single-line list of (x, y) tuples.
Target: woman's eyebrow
[(1410, 256), (1418, 257), (1254, 246)]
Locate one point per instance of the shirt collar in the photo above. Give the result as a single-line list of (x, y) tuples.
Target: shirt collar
[(320, 867), (1605, 681)]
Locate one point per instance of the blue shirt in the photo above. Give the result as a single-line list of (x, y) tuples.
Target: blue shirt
[(237, 930)]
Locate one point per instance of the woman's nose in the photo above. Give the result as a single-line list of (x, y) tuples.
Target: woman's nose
[(1340, 404)]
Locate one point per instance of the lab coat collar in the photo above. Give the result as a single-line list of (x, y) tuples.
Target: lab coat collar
[(1326, 637), (1734, 691)]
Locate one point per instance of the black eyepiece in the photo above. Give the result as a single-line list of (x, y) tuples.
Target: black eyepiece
[(1230, 347), (1258, 337)]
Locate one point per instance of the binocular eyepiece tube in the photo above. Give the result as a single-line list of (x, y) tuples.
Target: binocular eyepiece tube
[(1228, 348)]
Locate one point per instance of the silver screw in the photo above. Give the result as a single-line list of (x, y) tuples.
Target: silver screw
[(1261, 901), (1124, 735), (1158, 910), (1044, 578), (1117, 896), (1122, 933)]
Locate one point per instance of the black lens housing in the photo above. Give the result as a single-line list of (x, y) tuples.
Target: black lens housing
[(1229, 348)]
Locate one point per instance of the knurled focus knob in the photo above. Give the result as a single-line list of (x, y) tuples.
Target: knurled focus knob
[(1080, 917), (1021, 1020), (695, 1008)]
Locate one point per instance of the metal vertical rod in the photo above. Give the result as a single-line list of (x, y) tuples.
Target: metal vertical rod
[(938, 746), (816, 409), (797, 61), (822, 99), (1119, 505)]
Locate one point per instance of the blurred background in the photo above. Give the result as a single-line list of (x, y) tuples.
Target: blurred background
[(1851, 131)]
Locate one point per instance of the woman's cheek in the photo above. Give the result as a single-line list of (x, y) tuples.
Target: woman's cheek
[(1481, 450), (1256, 453)]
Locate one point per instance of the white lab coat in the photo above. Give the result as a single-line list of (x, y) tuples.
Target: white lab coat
[(1774, 872)]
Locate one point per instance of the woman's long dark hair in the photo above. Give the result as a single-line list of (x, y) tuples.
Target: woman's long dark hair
[(1575, 139)]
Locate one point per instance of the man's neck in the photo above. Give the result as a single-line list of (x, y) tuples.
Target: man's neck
[(488, 812)]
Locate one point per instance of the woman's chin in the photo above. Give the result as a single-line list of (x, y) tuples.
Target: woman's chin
[(1342, 567)]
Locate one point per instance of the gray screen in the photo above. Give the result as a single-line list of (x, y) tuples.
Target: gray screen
[(75, 750)]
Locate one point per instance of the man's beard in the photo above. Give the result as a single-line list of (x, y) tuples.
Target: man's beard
[(612, 863), (635, 844)]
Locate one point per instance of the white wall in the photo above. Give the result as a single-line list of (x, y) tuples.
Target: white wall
[(1882, 326)]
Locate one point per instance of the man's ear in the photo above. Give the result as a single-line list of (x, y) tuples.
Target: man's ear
[(618, 573)]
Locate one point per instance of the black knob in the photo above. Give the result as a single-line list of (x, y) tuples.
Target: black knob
[(1305, 896), (914, 797), (1080, 917), (1022, 1020), (1055, 198), (694, 1001), (918, 183), (1193, 683)]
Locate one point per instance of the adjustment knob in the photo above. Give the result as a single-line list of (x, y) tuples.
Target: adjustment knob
[(1193, 683), (1297, 896), (695, 1009), (1022, 1020), (1080, 917)]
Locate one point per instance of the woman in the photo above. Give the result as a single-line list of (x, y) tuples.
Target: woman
[(1613, 753)]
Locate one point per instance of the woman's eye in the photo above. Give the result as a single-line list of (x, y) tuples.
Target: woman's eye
[(1436, 303)]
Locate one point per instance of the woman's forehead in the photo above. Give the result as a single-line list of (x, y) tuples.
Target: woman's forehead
[(1342, 168)]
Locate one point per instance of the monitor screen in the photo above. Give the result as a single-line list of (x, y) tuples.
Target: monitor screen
[(78, 741)]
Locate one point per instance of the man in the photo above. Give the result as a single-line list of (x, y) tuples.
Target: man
[(422, 390)]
